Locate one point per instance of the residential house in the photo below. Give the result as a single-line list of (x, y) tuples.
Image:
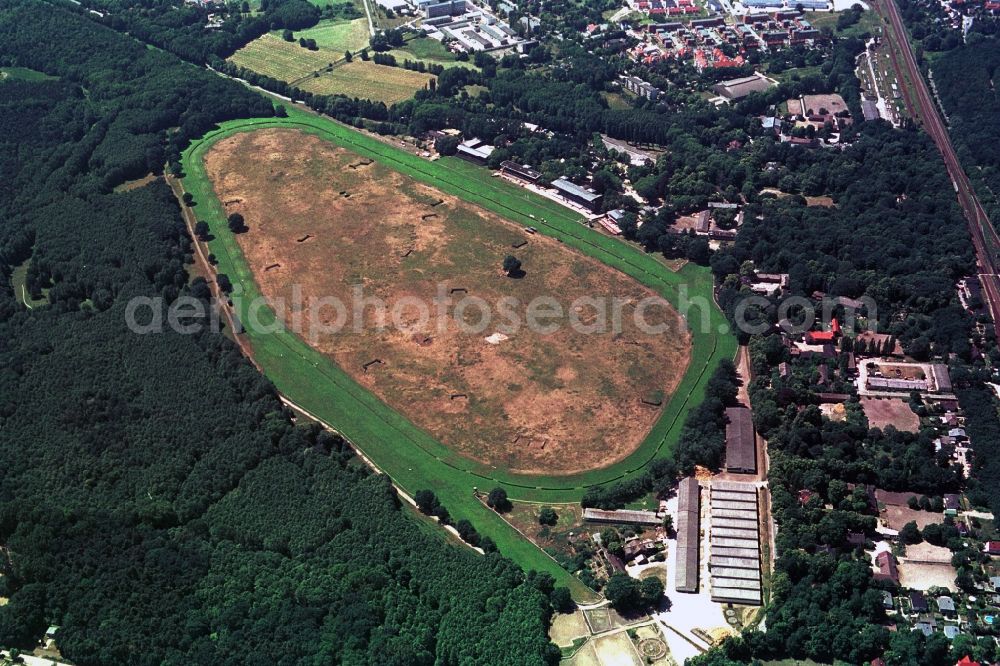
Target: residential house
[(918, 602), (946, 606), (887, 570)]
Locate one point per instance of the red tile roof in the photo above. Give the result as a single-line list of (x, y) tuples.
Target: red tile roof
[(819, 336)]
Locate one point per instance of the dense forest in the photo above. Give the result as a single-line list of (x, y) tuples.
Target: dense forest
[(156, 501), (179, 27), (964, 79)]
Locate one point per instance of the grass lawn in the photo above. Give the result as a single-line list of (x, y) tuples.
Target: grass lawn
[(17, 281), (338, 36), (409, 455), (616, 101), (429, 51), (868, 24), (23, 74), (797, 73), (475, 90), (367, 80)]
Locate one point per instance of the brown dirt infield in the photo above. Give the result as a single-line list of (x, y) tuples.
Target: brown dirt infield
[(556, 403), (883, 412)]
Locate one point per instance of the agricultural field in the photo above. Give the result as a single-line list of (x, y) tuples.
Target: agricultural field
[(325, 221), (286, 61), (367, 80), (338, 36), (323, 72)]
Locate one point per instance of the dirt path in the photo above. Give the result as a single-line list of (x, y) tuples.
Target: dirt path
[(207, 269)]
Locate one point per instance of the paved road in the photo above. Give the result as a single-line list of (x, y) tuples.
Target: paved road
[(984, 236)]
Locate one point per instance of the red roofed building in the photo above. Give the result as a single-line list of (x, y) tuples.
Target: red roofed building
[(815, 337), (967, 661), (993, 547), (887, 570)]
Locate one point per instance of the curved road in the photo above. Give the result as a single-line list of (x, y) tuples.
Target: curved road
[(985, 239)]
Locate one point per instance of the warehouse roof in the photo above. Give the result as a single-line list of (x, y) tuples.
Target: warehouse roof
[(745, 503), (740, 523), (747, 514), (739, 533), (735, 595), (727, 562), (734, 487), (734, 496), (733, 542), (738, 88), (735, 572)]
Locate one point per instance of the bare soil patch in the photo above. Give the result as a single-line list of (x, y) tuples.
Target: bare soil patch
[(927, 576), (824, 201), (832, 103), (882, 412), (897, 516), (535, 402), (898, 371)]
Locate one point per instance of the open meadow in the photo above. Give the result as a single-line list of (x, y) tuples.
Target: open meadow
[(326, 221), (323, 72)]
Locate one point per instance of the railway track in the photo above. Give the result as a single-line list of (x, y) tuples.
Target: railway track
[(919, 102)]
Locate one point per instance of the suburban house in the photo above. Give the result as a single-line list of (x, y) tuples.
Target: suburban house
[(887, 570)]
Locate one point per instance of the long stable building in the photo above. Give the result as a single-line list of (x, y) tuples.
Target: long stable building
[(626, 516), (734, 555), (741, 442), (688, 535), (573, 192)]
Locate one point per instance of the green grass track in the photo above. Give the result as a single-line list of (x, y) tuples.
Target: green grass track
[(411, 456)]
